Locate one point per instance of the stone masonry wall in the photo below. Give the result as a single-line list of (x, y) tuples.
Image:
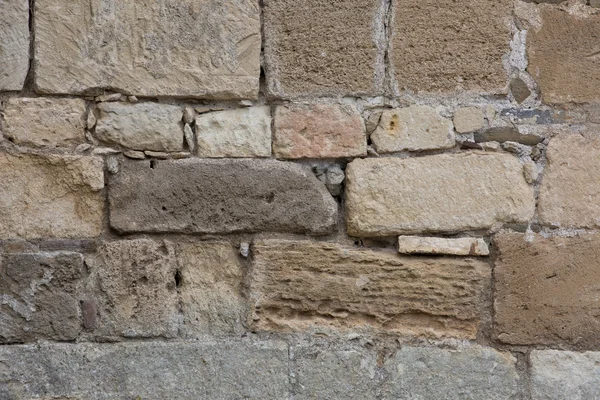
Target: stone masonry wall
[(299, 199)]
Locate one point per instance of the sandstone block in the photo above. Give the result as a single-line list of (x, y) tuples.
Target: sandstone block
[(546, 290), (440, 45), (235, 133), (307, 42), (412, 128), (141, 126), (14, 44), (38, 296), (571, 74), (182, 48), (219, 196), (564, 375), (468, 119), (146, 370), (302, 285), (568, 196), (442, 193), (50, 196), (464, 373), (43, 121), (435, 245), (319, 131)]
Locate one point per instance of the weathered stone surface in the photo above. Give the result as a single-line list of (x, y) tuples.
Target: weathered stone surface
[(569, 197), (184, 48), (14, 43), (219, 196), (150, 370), (319, 131), (136, 291), (141, 126), (333, 374), (564, 375), (507, 134), (465, 373), (519, 90), (50, 196), (302, 285), (43, 122), (468, 119), (412, 128), (435, 245), (307, 43), (37, 296), (449, 45), (235, 133), (442, 193), (211, 290), (546, 290), (571, 74)]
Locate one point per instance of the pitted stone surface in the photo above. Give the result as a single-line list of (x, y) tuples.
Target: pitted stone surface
[(442, 193), (50, 196), (305, 286), (181, 48), (219, 196), (14, 44)]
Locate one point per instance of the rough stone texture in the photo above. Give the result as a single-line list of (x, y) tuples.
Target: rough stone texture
[(333, 374), (136, 289), (302, 285), (211, 290), (50, 196), (184, 48), (14, 43), (442, 193), (235, 133), (319, 131), (434, 245), (468, 119), (519, 90), (564, 375), (44, 122), (449, 45), (568, 197), (465, 373), (157, 370), (412, 128), (507, 134), (37, 296), (563, 57), (547, 290), (307, 47), (219, 196), (141, 126)]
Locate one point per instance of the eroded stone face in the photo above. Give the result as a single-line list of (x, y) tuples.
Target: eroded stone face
[(303, 286), (14, 43), (182, 48), (435, 245)]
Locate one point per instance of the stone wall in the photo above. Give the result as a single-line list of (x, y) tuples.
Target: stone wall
[(284, 199)]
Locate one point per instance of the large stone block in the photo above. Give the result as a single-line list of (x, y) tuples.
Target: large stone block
[(563, 56), (143, 126), (307, 47), (145, 370), (183, 48), (564, 375), (318, 131), (38, 297), (42, 122), (50, 196), (449, 192), (450, 45), (219, 196), (546, 290), (302, 285), (464, 373), (14, 43), (569, 196)]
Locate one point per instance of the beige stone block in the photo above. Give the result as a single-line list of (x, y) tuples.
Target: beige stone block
[(14, 44), (435, 245), (468, 119)]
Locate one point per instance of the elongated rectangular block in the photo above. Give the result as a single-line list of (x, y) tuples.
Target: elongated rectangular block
[(435, 245), (14, 43), (442, 193)]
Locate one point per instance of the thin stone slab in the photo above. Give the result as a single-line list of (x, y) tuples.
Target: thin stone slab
[(14, 43), (436, 245)]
